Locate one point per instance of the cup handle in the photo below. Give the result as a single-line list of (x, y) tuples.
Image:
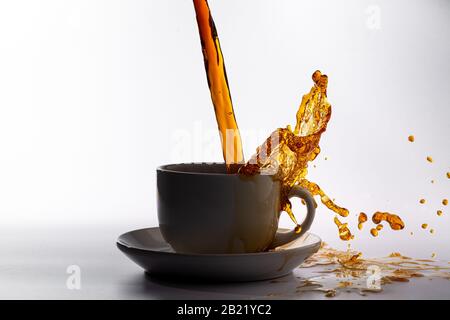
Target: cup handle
[(282, 238)]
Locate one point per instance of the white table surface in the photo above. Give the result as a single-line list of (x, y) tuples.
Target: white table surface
[(34, 260)]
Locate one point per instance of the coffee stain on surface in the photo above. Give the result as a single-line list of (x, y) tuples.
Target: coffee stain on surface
[(336, 271)]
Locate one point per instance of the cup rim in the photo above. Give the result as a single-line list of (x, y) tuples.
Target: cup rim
[(165, 168)]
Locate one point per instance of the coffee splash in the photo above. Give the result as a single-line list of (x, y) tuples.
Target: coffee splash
[(286, 155)]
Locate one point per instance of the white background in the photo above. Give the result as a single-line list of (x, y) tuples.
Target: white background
[(94, 95)]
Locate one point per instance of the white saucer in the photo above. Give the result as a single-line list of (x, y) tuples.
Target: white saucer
[(147, 248)]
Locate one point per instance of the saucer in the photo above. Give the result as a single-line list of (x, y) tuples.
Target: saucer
[(148, 249)]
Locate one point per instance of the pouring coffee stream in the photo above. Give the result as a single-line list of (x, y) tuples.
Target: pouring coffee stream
[(219, 88)]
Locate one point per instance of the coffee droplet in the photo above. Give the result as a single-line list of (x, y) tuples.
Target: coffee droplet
[(429, 159), (411, 138), (361, 219), (379, 227), (439, 213), (431, 231), (432, 181), (344, 231), (374, 232), (422, 201), (298, 228), (411, 233), (433, 255), (424, 225), (395, 222), (448, 175), (326, 158), (445, 202)]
